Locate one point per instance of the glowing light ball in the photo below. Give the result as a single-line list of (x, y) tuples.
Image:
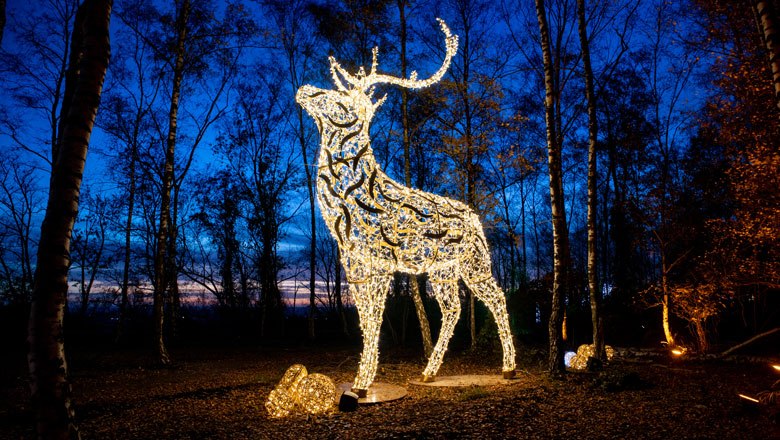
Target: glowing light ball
[(293, 376), (568, 357), (579, 361), (298, 390), (280, 403), (316, 393), (383, 227)]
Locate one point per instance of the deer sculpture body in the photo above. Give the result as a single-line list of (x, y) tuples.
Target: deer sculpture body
[(383, 227)]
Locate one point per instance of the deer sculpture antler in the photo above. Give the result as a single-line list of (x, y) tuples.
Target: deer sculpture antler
[(364, 82)]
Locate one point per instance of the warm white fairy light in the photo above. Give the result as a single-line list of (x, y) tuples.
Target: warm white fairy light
[(383, 227), (579, 361), (281, 401), (748, 398), (312, 393), (316, 393)]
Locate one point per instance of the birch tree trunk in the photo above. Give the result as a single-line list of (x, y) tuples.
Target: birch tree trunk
[(560, 241), (49, 385), (163, 232), (590, 96), (767, 15)]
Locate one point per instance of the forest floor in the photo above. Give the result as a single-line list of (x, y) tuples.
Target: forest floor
[(219, 393)]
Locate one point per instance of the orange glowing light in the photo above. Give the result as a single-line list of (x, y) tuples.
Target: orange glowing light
[(776, 367), (748, 398), (677, 352)]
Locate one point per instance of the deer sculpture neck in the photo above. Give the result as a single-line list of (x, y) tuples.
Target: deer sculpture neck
[(382, 227)]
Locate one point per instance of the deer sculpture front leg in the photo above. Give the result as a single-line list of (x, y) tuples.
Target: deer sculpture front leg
[(446, 293), (370, 295)]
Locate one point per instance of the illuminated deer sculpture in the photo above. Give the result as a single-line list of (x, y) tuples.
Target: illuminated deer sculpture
[(383, 227)]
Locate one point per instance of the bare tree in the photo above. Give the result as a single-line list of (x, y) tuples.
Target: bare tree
[(128, 102), (253, 144), (38, 66), (590, 97), (560, 231), (89, 57), (190, 46), (20, 203), (218, 263), (88, 243), (668, 73), (164, 231), (289, 19)]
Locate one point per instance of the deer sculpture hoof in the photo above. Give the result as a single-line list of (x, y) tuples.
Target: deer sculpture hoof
[(360, 393), (428, 379), (510, 374)]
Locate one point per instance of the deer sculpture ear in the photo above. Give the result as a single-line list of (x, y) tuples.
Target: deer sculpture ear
[(338, 73)]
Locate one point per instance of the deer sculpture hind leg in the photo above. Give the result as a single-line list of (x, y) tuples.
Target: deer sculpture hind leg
[(369, 296), (489, 293), (446, 294), (477, 274)]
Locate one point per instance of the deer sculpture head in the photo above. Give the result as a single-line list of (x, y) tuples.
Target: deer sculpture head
[(383, 227), (354, 94)]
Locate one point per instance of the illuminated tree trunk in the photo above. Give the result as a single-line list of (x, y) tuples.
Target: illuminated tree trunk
[(414, 287), (593, 285), (164, 233), (560, 241), (769, 25), (49, 386), (665, 302)]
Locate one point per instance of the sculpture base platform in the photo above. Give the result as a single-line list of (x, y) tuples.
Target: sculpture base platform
[(467, 380), (378, 392)]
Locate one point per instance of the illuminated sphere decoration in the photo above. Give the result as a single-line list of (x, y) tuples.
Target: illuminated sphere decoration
[(383, 227), (316, 393), (579, 361), (280, 403), (298, 391), (292, 377)]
